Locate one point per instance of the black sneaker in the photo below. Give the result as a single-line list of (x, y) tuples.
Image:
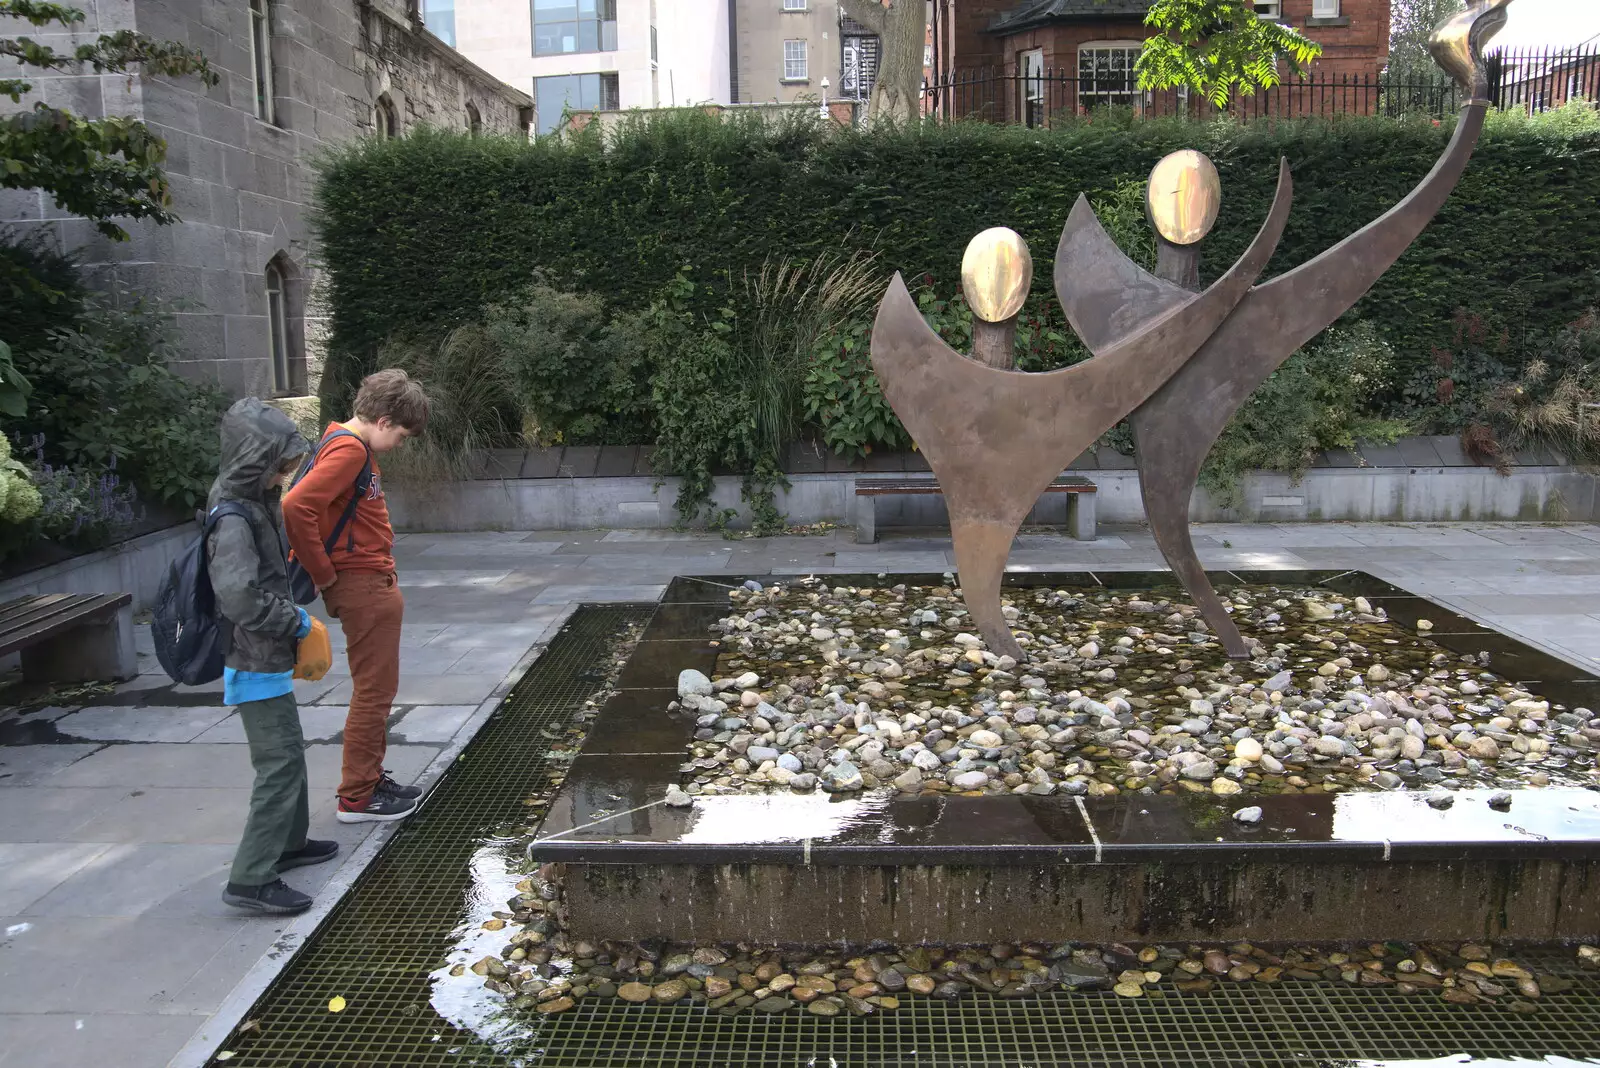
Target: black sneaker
[(313, 852), (381, 807), (276, 897), (389, 786)]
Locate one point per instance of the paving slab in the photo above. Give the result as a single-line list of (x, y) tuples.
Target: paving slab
[(77, 1039), (132, 879), (51, 813), (118, 964), (34, 869), (22, 765), (147, 724), (431, 723)]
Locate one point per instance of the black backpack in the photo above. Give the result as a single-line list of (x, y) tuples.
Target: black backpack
[(190, 638), (301, 587)]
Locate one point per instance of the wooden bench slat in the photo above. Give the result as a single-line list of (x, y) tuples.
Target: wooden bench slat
[(26, 607), (878, 487), (40, 609), (58, 614)]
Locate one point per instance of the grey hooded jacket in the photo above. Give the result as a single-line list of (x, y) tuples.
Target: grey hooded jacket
[(248, 560)]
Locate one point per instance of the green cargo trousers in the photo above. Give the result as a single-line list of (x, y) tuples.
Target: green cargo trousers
[(279, 810)]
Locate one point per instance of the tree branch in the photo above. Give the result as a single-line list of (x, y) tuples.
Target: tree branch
[(869, 13)]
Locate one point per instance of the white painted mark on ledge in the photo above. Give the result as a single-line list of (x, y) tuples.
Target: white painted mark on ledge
[(1083, 810), (640, 508), (1285, 502)]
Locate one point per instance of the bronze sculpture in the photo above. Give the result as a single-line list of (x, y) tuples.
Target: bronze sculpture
[(1179, 364)]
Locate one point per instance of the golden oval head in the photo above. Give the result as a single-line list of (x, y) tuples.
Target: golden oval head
[(996, 272), (1184, 196)]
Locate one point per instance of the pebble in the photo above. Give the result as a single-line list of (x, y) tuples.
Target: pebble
[(1248, 749), (677, 798), (773, 1006), (670, 991), (1248, 815), (1129, 990), (1500, 802), (970, 780), (635, 992), (1225, 787), (692, 683)]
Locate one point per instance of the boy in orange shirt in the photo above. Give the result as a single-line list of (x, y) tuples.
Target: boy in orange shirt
[(356, 576)]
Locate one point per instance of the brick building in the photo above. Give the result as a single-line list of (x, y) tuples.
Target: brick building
[(1074, 54), (298, 76)]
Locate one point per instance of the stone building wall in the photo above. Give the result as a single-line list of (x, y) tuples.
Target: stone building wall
[(242, 183)]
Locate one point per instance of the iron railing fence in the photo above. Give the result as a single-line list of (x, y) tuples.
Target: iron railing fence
[(1531, 79)]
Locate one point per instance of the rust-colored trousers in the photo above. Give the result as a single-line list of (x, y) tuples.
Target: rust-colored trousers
[(369, 608)]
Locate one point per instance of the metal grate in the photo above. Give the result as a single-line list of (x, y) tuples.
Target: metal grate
[(377, 948)]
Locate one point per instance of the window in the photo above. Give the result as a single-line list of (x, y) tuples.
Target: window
[(794, 5), (474, 120), (1269, 9), (1105, 75), (1324, 9), (1030, 68), (278, 329), (564, 27), (794, 61), (440, 18), (385, 123), (574, 92), (261, 60), (655, 54)]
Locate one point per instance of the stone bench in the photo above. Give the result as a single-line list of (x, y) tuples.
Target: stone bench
[(71, 637), (1080, 505)]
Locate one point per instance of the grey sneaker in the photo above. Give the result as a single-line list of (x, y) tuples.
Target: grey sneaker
[(381, 807), (275, 897), (389, 786)]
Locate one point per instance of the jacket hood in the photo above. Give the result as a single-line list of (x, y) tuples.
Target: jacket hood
[(258, 441)]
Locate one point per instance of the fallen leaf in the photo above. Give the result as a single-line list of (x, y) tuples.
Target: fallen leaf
[(249, 1025), (336, 1004), (225, 1055)]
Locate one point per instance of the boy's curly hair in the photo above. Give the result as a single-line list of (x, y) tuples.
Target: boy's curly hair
[(394, 395)]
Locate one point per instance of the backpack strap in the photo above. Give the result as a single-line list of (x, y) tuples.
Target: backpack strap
[(358, 490), (222, 509)]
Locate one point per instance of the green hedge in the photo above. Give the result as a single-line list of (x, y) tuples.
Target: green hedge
[(419, 233)]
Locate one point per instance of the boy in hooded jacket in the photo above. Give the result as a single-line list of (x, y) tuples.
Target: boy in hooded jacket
[(247, 559)]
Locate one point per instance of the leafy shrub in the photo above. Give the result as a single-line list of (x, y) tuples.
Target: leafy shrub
[(104, 397), (39, 289), (19, 497), (1553, 403), (1317, 400), (472, 400), (83, 509), (582, 377), (844, 400)]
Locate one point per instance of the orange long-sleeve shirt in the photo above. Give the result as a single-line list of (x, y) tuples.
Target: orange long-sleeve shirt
[(315, 504)]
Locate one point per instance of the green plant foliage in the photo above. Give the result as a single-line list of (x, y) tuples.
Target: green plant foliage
[(1317, 400), (98, 168), (105, 398), (472, 399), (14, 386), (844, 399), (39, 289), (1219, 48), (581, 377)]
